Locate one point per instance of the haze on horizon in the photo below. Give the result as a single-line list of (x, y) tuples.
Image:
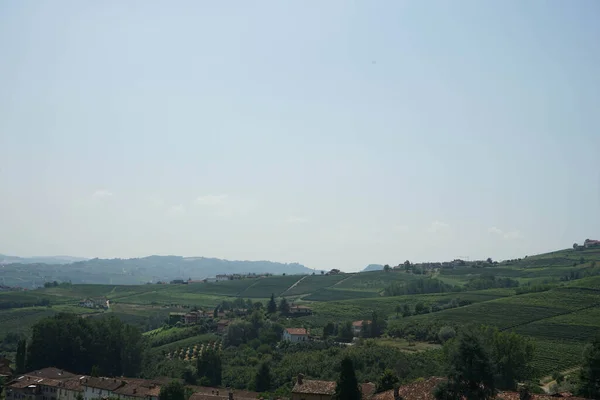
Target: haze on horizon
[(334, 134)]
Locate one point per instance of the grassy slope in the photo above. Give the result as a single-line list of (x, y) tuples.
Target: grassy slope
[(560, 321)]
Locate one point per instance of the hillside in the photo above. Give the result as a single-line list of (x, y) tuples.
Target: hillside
[(556, 302), (136, 270)]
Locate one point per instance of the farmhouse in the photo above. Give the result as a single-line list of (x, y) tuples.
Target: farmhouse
[(300, 310), (94, 303), (295, 335), (591, 243), (222, 325), (98, 388), (357, 327)]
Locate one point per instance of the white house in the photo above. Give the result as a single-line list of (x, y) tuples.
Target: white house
[(357, 327), (220, 278), (97, 388), (295, 335)]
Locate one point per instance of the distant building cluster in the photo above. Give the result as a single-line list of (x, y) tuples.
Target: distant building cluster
[(56, 384), (96, 303), (587, 244)]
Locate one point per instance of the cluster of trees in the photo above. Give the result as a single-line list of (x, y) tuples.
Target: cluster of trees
[(490, 281), (343, 331), (256, 329), (419, 286), (421, 308), (76, 344), (481, 361)]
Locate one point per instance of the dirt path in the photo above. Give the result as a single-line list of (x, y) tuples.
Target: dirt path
[(549, 381), (343, 280), (294, 285)]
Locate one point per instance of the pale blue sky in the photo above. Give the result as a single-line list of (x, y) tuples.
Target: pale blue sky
[(331, 133)]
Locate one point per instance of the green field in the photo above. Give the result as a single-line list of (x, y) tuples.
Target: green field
[(560, 320)]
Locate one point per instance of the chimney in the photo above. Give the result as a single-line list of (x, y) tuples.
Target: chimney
[(396, 393), (299, 380), (230, 394)]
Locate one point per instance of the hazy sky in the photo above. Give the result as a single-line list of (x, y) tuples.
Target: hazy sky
[(330, 133)]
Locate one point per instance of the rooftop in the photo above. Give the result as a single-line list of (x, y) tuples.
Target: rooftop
[(102, 383), (296, 331), (307, 386)]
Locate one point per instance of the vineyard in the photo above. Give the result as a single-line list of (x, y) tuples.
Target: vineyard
[(191, 353)]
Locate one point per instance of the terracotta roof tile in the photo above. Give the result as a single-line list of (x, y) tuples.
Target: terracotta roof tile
[(360, 323), (102, 383), (296, 331), (422, 390), (314, 387), (367, 389)]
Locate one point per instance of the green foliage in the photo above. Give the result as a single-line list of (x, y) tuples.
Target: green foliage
[(284, 307), (209, 367), (328, 330), (347, 385), (173, 391), (272, 306), (21, 358), (388, 380), (262, 380), (76, 344), (490, 281), (470, 370), (512, 355), (419, 286), (344, 332), (590, 371), (446, 333)]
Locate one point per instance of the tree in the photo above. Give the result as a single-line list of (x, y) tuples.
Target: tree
[(95, 371), (489, 260), (284, 307), (377, 325), (511, 354), (446, 333), (328, 330), (216, 312), (419, 308), (406, 311), (345, 333), (322, 272), (347, 385), (172, 391), (398, 310), (262, 380), (575, 246), (209, 366), (470, 370), (589, 374), (21, 357), (386, 268), (388, 380), (272, 306)]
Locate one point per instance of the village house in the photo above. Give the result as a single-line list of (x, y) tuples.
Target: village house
[(70, 389), (94, 303), (98, 388), (591, 243), (357, 327), (223, 325), (194, 317), (221, 278), (300, 310), (138, 390), (6, 371), (306, 389), (295, 335), (37, 385)]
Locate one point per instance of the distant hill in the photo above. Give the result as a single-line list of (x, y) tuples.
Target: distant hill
[(373, 267), (32, 272), (4, 259)]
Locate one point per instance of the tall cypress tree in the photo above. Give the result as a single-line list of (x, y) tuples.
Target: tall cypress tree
[(272, 306), (21, 357), (347, 385), (262, 380)]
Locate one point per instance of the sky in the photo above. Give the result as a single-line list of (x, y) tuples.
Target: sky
[(331, 133)]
